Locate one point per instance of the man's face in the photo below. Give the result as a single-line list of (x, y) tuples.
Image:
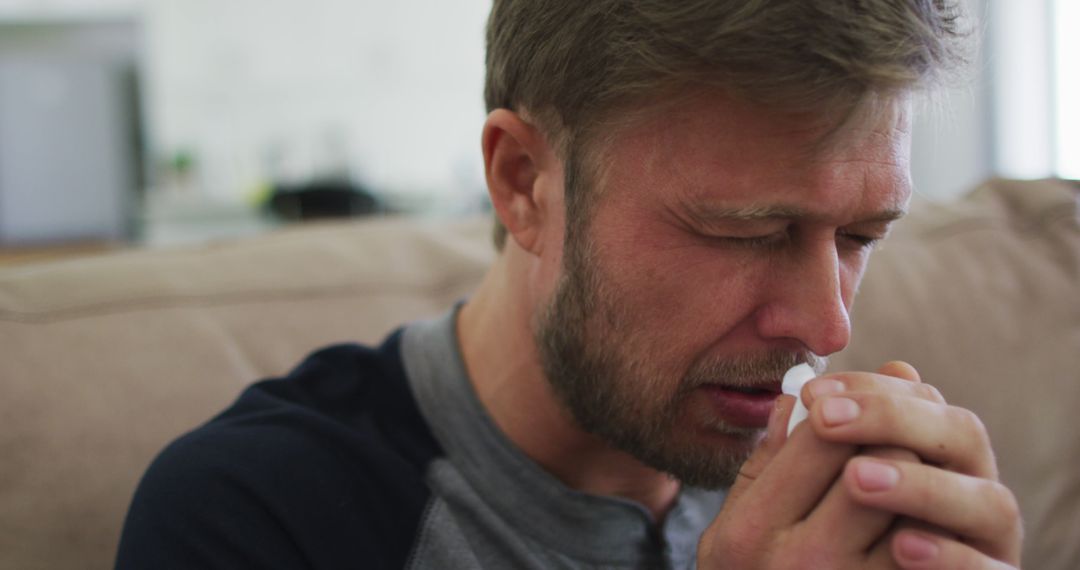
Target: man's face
[(721, 250)]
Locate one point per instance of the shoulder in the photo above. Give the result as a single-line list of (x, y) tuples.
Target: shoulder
[(327, 464)]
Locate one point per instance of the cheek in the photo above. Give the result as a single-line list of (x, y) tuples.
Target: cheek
[(850, 277), (544, 275), (689, 296)]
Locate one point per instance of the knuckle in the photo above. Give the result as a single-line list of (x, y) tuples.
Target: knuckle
[(930, 392), (971, 425), (738, 542), (1007, 507), (955, 555), (1001, 519), (888, 411), (925, 494)]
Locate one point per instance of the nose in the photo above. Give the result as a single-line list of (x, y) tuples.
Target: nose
[(808, 301)]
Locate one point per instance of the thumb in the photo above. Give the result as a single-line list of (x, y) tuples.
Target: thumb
[(775, 436)]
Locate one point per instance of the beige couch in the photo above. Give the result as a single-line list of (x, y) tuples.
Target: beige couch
[(103, 360)]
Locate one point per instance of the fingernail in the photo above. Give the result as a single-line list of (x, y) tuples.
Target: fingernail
[(825, 386), (839, 411), (874, 476), (916, 548)]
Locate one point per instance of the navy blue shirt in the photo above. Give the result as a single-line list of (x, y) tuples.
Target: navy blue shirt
[(321, 469)]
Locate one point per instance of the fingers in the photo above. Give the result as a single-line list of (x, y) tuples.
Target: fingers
[(864, 525), (729, 538), (983, 512), (956, 492), (800, 471), (863, 382), (951, 437), (887, 508), (775, 435), (894, 408), (913, 550)]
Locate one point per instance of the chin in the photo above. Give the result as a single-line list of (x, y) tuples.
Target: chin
[(706, 457)]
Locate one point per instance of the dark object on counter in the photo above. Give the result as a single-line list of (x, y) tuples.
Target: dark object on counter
[(321, 199)]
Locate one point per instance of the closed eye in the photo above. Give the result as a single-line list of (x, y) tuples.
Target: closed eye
[(770, 241), (862, 241)]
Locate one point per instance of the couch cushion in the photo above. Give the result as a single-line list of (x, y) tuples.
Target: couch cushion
[(983, 297)]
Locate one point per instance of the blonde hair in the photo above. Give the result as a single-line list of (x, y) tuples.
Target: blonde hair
[(575, 66)]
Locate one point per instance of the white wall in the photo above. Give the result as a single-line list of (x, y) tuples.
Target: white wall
[(1066, 18), (293, 88), (952, 136), (1008, 121), (1020, 61), (951, 147), (390, 90)]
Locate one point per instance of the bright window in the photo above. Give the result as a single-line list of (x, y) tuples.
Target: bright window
[(1067, 92)]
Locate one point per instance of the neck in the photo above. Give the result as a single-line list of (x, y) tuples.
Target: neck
[(495, 333)]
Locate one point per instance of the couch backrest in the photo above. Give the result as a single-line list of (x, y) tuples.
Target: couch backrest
[(104, 360)]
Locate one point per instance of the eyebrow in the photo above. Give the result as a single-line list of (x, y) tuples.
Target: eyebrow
[(707, 213)]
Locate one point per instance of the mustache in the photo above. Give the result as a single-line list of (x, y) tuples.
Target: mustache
[(749, 370)]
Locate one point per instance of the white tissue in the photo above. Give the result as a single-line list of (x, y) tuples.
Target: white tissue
[(794, 379)]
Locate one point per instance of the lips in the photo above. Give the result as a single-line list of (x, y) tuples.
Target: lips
[(746, 407)]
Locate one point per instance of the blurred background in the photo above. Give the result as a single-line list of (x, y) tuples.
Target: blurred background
[(159, 122)]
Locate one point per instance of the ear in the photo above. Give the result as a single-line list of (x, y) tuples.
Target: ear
[(522, 174)]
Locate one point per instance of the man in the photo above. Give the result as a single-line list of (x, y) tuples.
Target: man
[(687, 196)]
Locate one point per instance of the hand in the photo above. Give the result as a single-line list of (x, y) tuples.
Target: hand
[(806, 503)]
